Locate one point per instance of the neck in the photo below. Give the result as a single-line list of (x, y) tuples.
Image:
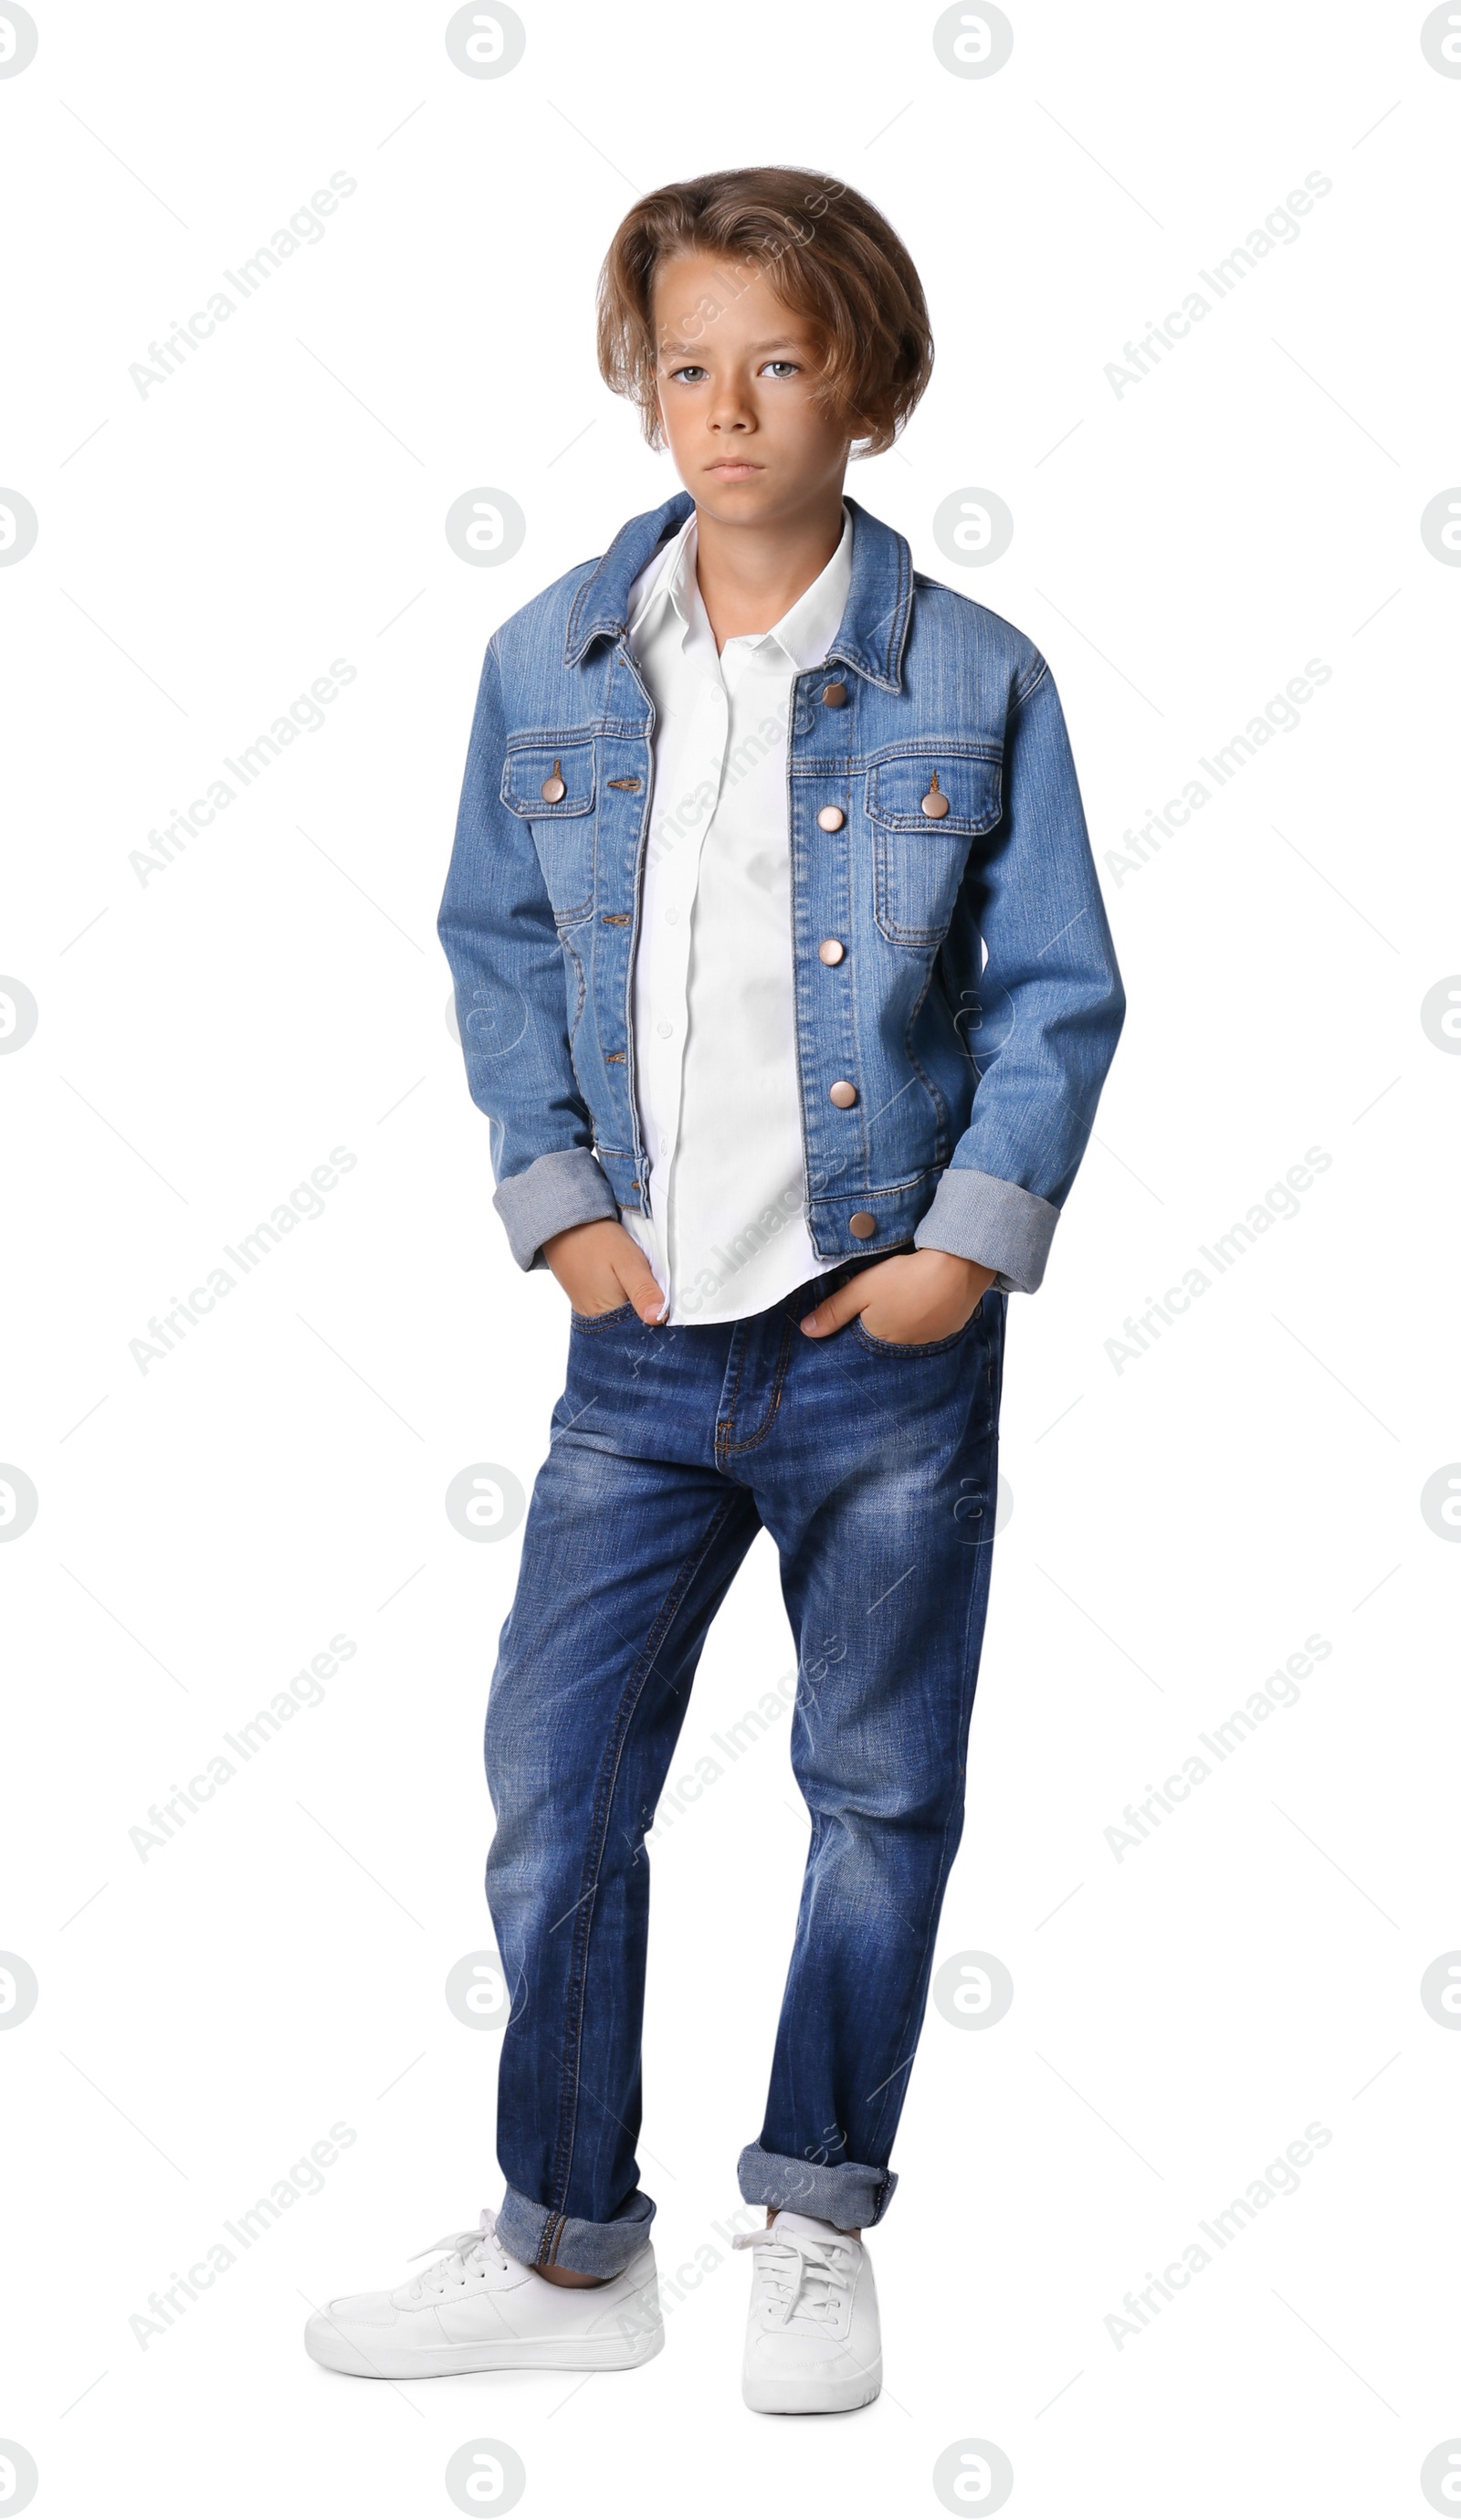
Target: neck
[(751, 576)]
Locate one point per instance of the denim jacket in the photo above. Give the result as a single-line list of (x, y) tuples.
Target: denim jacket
[(977, 1002)]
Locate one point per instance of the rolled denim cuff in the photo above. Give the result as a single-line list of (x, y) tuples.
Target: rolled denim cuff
[(568, 1188), (995, 1223), (536, 2236), (847, 2193)]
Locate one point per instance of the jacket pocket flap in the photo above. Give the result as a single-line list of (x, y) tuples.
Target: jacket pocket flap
[(533, 773), (897, 785)]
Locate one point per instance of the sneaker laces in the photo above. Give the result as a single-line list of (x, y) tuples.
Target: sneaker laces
[(799, 2274), (466, 2250)]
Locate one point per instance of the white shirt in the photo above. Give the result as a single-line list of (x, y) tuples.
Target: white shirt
[(714, 1014)]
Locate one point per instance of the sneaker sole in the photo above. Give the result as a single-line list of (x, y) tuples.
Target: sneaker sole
[(334, 2352), (827, 2398)]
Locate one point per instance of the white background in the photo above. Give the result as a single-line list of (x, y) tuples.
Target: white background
[(1181, 1525)]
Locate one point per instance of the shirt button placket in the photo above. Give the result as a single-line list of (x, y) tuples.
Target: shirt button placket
[(712, 718)]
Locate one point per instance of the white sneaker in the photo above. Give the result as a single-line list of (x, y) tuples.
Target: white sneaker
[(813, 2346), (478, 2309)]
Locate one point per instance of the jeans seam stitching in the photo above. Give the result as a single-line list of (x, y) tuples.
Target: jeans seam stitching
[(936, 1903), (597, 1321), (913, 1347), (597, 1837), (749, 1441), (728, 1423)]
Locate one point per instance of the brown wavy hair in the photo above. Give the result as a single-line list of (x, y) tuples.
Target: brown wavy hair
[(829, 257)]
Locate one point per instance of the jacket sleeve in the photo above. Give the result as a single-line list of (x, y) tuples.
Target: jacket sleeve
[(497, 930), (1051, 1007)]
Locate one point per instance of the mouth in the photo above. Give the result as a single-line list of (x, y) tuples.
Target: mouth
[(731, 468)]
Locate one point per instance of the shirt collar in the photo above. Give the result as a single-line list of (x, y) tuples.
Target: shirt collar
[(669, 579), (873, 630), (804, 633)]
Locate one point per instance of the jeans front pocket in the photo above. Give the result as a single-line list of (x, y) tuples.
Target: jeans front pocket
[(602, 1320), (910, 1348)]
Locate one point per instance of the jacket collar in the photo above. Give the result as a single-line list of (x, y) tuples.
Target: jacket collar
[(875, 624)]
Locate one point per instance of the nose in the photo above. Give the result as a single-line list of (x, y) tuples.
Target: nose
[(730, 411)]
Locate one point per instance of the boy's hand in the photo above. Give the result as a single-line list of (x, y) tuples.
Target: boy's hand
[(919, 1295), (600, 1267)]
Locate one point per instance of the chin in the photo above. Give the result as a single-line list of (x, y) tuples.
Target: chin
[(739, 498)]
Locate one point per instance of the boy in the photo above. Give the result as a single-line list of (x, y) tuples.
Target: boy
[(747, 802)]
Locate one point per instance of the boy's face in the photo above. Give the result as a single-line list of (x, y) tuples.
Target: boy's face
[(737, 369)]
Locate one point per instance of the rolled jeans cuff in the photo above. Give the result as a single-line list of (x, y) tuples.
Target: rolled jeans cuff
[(536, 2236), (847, 2193)]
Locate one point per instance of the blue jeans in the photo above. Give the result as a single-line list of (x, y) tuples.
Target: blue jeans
[(873, 1467)]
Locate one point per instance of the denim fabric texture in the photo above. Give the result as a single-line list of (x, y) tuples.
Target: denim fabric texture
[(977, 1002), (873, 1467)]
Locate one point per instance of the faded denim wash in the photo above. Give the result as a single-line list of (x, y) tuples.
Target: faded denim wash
[(977, 1003), (873, 1467)]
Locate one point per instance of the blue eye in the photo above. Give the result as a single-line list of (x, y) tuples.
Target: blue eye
[(788, 367), (679, 375)]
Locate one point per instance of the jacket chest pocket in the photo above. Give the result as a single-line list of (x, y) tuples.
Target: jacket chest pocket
[(924, 808), (550, 786)]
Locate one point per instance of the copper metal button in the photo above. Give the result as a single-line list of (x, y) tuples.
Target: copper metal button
[(830, 950), (934, 802), (861, 1225), (834, 696), (843, 1094), (553, 791), (832, 818)]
